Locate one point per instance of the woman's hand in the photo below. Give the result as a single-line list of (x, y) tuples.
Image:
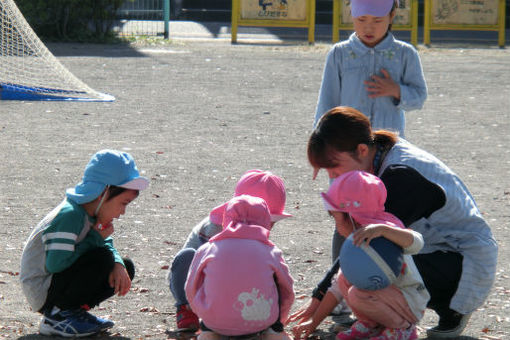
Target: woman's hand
[(305, 312), (104, 230), (119, 280)]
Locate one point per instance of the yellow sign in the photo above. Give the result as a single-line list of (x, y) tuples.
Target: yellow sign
[(274, 13), (474, 15), (468, 12), (273, 9)]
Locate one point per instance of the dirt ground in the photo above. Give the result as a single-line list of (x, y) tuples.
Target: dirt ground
[(196, 115)]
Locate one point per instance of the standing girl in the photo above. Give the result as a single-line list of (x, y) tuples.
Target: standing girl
[(356, 202), (69, 263), (372, 71)]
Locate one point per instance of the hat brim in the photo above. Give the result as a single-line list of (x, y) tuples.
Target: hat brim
[(216, 215), (328, 204), (139, 183), (279, 217)]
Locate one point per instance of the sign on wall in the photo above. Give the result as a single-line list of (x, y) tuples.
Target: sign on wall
[(467, 12), (273, 9), (274, 13), (473, 15)]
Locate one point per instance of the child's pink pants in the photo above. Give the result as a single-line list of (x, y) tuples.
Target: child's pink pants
[(386, 307)]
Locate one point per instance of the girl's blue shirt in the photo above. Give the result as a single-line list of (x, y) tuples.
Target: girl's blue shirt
[(350, 63)]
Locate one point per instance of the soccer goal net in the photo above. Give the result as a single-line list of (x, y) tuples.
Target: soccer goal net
[(28, 70)]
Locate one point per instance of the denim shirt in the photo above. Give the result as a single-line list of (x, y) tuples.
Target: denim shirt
[(350, 63)]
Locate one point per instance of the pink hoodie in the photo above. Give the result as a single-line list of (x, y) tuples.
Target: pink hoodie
[(231, 283)]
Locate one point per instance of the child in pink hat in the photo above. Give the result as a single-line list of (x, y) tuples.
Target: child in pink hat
[(238, 283), (356, 201), (257, 183)]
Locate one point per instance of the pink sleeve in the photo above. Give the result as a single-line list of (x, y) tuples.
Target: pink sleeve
[(285, 286), (195, 275)]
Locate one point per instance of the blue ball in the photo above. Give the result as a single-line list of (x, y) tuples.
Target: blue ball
[(371, 267)]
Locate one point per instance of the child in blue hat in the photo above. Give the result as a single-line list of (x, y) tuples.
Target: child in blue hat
[(69, 264)]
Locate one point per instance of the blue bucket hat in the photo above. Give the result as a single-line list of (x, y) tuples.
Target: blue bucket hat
[(107, 167)]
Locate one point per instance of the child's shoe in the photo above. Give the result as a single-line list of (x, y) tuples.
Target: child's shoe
[(342, 316), (358, 330), (208, 335), (270, 334), (341, 308), (103, 324), (69, 323), (186, 319), (409, 333), (450, 326)]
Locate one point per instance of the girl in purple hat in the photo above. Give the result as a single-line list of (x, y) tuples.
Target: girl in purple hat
[(372, 71), (69, 264), (356, 201)]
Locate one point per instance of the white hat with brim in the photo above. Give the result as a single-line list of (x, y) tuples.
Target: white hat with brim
[(328, 204), (139, 183)]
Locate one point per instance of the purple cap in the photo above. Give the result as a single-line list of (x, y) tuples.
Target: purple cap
[(376, 8)]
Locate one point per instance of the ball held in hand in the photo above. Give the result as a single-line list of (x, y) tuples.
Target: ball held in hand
[(371, 267)]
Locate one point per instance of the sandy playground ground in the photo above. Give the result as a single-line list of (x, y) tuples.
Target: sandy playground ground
[(196, 115)]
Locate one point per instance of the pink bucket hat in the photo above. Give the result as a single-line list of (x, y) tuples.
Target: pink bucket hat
[(362, 195), (247, 210), (377, 8), (258, 183)]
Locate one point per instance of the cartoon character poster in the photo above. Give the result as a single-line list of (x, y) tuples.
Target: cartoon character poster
[(467, 12), (273, 9), (402, 16)]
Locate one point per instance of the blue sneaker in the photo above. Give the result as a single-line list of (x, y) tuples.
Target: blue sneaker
[(103, 324), (69, 323)]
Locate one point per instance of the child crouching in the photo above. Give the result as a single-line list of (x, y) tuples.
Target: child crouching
[(356, 200), (238, 282)]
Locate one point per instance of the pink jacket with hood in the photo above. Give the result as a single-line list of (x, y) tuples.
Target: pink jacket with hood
[(231, 283)]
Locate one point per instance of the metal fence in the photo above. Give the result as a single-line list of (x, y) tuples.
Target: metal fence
[(143, 18), (147, 17)]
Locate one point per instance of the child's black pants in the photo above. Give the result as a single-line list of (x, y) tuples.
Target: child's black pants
[(85, 282)]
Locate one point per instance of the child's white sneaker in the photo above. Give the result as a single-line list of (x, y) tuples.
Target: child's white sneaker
[(270, 334), (208, 335)]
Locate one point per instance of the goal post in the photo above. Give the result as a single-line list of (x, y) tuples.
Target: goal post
[(29, 71)]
